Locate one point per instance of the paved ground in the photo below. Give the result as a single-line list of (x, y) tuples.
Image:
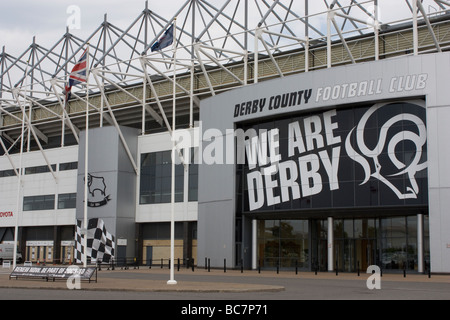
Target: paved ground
[(233, 285)]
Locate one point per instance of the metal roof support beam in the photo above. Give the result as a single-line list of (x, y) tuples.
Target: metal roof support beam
[(5, 150), (116, 124), (202, 66), (66, 118), (34, 101), (259, 37), (144, 63), (152, 112), (281, 20), (217, 62), (148, 63), (35, 134), (430, 28), (105, 116), (442, 2), (333, 21)]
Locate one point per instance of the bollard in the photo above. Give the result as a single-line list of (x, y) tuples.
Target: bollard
[(192, 262), (112, 264), (336, 267), (162, 263), (224, 265), (178, 264), (296, 267), (150, 263), (404, 271), (358, 268), (209, 265), (259, 266)]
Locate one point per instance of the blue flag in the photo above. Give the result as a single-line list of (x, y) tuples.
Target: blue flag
[(165, 41)]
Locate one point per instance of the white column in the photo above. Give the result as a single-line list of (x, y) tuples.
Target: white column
[(330, 244), (329, 17), (420, 266), (254, 244), (415, 29)]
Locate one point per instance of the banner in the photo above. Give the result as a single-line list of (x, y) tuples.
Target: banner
[(53, 272), (365, 156)]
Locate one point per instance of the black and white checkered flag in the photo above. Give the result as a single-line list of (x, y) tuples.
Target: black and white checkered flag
[(100, 243)]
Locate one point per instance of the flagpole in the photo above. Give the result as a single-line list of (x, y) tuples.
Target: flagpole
[(86, 158), (172, 280), (19, 182)]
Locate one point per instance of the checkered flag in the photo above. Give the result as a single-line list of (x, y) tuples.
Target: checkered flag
[(100, 243)]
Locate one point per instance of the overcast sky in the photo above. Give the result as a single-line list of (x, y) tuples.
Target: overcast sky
[(20, 20)]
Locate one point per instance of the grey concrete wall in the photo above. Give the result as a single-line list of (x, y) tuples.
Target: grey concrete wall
[(107, 159)]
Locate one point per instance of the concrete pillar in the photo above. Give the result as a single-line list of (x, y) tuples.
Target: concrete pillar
[(330, 242), (420, 262), (254, 244)]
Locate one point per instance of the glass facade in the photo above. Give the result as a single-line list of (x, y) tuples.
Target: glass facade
[(390, 243), (283, 243), (156, 177)]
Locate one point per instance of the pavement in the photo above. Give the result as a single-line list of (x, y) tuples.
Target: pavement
[(202, 281)]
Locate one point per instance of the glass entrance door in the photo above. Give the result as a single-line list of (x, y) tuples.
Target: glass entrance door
[(355, 245), (365, 250), (351, 254)]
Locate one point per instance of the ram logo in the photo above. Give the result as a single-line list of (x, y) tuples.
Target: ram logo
[(97, 191), (382, 160)]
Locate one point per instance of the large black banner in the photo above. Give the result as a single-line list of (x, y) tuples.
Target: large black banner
[(61, 273), (367, 156)]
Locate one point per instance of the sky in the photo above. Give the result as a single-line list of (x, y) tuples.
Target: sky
[(20, 20)]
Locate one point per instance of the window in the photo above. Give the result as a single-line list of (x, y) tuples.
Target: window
[(7, 173), (39, 169), (67, 201), (156, 178), (68, 166), (35, 203)]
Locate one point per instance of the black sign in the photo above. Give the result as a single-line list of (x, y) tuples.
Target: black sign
[(356, 157), (61, 273)]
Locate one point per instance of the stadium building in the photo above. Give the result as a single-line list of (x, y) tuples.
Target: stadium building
[(316, 140)]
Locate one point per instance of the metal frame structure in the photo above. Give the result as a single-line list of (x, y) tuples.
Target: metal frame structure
[(234, 44)]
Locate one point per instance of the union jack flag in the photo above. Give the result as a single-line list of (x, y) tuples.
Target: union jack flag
[(78, 74)]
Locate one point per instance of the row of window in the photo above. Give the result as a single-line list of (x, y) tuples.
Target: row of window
[(156, 175), (47, 202), (41, 169), (155, 186)]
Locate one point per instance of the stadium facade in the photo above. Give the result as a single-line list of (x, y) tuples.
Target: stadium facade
[(327, 153)]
